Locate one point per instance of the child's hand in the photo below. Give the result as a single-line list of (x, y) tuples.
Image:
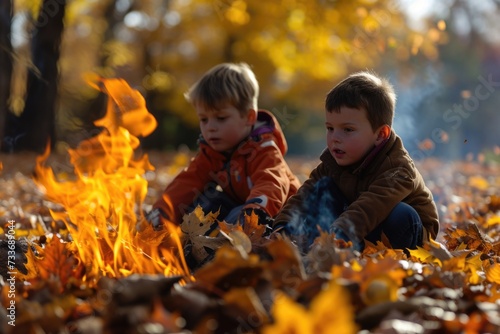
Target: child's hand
[(153, 217), (339, 234)]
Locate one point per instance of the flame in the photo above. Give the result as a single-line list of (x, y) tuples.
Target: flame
[(103, 203)]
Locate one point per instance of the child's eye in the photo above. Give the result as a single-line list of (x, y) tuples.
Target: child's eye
[(203, 120), (221, 118), (329, 128), (348, 129)]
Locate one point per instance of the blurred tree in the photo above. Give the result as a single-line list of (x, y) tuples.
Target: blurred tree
[(35, 127), (297, 48), (5, 60)]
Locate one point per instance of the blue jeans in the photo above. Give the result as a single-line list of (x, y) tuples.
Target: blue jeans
[(325, 203), (403, 227)]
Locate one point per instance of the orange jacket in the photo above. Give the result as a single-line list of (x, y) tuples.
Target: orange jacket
[(255, 169)]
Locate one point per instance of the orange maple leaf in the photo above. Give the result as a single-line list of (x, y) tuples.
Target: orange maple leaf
[(56, 262), (252, 228)]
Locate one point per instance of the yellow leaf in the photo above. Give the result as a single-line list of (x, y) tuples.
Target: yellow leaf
[(456, 263), (332, 312), (424, 256), (289, 318), (475, 262), (493, 220), (493, 273), (197, 223), (356, 266), (474, 267)]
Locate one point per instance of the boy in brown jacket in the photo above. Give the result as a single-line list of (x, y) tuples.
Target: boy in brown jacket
[(366, 184)]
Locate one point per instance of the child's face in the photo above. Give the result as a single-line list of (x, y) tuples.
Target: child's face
[(224, 128), (349, 135)]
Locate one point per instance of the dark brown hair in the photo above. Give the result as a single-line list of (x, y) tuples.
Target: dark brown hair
[(364, 90)]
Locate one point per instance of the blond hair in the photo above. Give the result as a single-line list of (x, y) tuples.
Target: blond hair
[(226, 83)]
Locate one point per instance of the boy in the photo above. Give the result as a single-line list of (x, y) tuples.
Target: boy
[(366, 184), (239, 167)]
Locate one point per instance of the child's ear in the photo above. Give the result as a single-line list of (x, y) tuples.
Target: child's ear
[(383, 133), (251, 116)]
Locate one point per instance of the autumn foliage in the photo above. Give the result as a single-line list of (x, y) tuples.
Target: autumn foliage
[(103, 269)]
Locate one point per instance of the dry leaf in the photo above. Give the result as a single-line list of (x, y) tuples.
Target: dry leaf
[(247, 300), (239, 240), (49, 316), (324, 253), (493, 273), (197, 223), (286, 267), (252, 228), (230, 268), (329, 312), (57, 262), (423, 255), (195, 226), (289, 317), (378, 289)]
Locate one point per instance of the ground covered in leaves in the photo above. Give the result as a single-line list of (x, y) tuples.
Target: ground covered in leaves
[(255, 284)]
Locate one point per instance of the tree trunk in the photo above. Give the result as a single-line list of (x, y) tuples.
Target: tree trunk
[(35, 128), (5, 61)]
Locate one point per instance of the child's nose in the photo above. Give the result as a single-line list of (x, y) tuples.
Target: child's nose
[(334, 137), (211, 125)]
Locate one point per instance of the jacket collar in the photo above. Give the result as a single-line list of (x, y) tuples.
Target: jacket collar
[(372, 155)]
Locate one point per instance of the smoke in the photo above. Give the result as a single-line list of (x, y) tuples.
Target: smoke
[(408, 123), (318, 211)]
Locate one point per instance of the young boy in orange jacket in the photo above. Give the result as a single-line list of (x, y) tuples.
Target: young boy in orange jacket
[(239, 167)]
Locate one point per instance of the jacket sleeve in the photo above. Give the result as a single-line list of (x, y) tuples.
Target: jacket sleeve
[(269, 177), (374, 205), (294, 205), (184, 188)]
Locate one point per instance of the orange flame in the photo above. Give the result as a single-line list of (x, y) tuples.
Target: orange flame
[(103, 203)]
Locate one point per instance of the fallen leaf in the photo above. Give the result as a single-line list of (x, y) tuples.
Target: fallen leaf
[(57, 262), (230, 268), (493, 273), (196, 225), (286, 267)]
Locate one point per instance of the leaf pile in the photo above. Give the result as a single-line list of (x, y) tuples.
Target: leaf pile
[(256, 284)]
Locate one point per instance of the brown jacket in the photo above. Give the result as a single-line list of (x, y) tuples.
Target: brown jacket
[(373, 187), (255, 169)]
